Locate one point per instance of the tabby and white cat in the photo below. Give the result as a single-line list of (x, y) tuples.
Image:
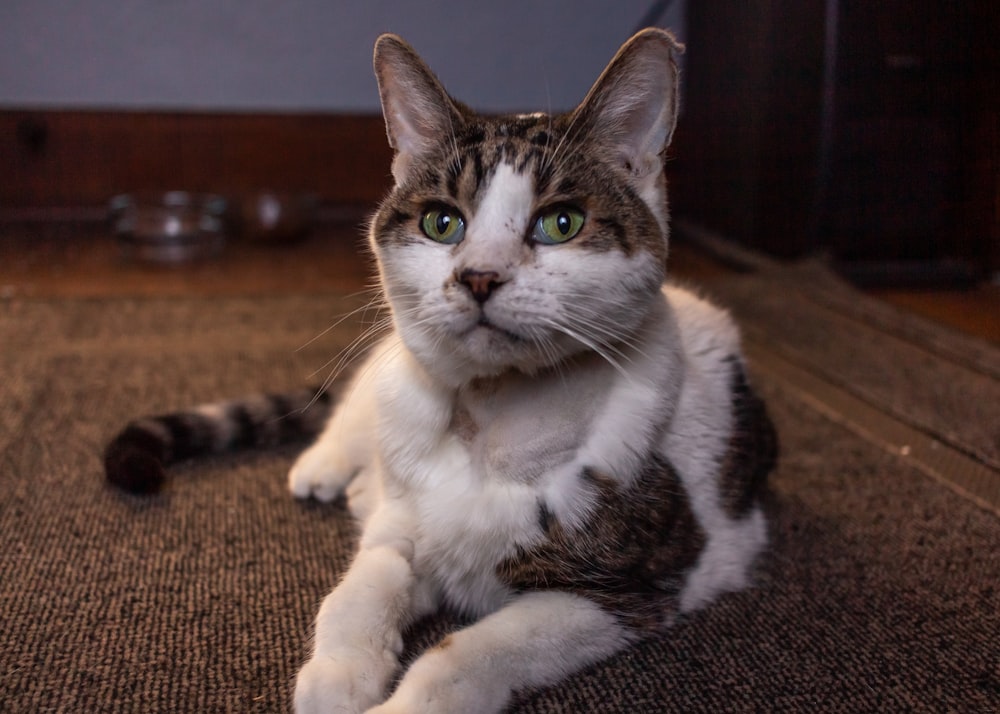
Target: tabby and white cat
[(549, 439)]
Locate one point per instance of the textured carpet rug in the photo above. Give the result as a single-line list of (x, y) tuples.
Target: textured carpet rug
[(880, 592)]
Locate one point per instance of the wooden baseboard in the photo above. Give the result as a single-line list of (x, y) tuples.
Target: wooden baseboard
[(70, 162)]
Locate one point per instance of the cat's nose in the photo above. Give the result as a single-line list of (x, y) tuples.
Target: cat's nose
[(481, 283)]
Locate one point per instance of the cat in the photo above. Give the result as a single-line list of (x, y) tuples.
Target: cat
[(550, 439)]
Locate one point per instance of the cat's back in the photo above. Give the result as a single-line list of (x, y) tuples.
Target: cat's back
[(707, 332), (722, 443)]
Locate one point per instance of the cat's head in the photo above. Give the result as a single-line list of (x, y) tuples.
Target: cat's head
[(514, 242)]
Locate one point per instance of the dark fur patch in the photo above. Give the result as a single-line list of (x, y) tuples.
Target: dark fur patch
[(630, 557), (463, 425), (545, 518), (245, 434), (133, 461), (753, 447), (191, 434), (528, 159), (609, 234), (541, 138), (473, 135), (398, 223), (568, 186)]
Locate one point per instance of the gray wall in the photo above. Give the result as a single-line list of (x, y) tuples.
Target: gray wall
[(303, 55)]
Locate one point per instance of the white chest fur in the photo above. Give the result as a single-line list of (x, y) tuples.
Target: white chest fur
[(474, 466), (470, 466)]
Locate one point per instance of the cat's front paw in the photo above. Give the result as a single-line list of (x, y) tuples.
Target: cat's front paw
[(437, 682), (321, 472), (336, 684)]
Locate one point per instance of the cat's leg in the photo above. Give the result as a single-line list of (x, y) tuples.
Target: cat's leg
[(537, 640), (358, 638), (641, 401), (346, 444), (358, 634)]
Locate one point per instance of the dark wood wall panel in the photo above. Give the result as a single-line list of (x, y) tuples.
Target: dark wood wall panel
[(73, 159)]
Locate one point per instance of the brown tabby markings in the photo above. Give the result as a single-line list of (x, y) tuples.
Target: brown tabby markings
[(630, 557), (460, 172)]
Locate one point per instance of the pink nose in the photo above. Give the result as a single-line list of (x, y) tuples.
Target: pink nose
[(481, 283)]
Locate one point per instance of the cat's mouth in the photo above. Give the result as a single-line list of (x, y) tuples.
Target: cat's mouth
[(485, 323)]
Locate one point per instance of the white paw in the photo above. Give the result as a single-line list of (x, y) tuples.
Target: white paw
[(569, 495), (396, 705), (337, 683), (364, 493), (435, 683), (321, 472)]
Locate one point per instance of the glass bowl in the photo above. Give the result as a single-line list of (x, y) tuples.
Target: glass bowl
[(168, 227)]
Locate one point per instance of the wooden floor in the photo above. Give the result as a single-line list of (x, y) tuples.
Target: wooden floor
[(83, 260)]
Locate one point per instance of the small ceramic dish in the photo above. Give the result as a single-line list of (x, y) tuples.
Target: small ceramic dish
[(274, 218)]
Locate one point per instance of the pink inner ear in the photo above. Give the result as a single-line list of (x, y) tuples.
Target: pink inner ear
[(633, 105), (418, 111)]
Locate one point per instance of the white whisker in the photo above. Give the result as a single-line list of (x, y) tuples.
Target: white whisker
[(594, 345), (363, 309), (610, 333)]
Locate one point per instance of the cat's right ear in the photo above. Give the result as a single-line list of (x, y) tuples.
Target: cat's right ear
[(418, 112)]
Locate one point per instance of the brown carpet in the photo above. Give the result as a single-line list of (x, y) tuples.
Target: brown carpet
[(880, 593)]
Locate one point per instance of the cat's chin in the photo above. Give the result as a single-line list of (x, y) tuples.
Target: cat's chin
[(485, 329), (492, 348), (482, 349)]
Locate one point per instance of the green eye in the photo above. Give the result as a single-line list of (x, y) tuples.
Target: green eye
[(445, 225), (558, 226)]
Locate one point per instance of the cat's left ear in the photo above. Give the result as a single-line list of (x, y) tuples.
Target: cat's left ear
[(418, 112), (632, 108)]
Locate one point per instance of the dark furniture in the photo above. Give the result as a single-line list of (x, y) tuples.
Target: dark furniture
[(865, 130)]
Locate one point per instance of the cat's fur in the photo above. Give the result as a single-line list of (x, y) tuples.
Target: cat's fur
[(549, 439)]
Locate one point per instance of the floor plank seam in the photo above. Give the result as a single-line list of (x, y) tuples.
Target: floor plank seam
[(972, 480)]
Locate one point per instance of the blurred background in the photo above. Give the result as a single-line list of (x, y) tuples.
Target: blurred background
[(865, 132), (306, 55)]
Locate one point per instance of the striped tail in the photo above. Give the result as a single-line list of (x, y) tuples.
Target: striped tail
[(136, 459)]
